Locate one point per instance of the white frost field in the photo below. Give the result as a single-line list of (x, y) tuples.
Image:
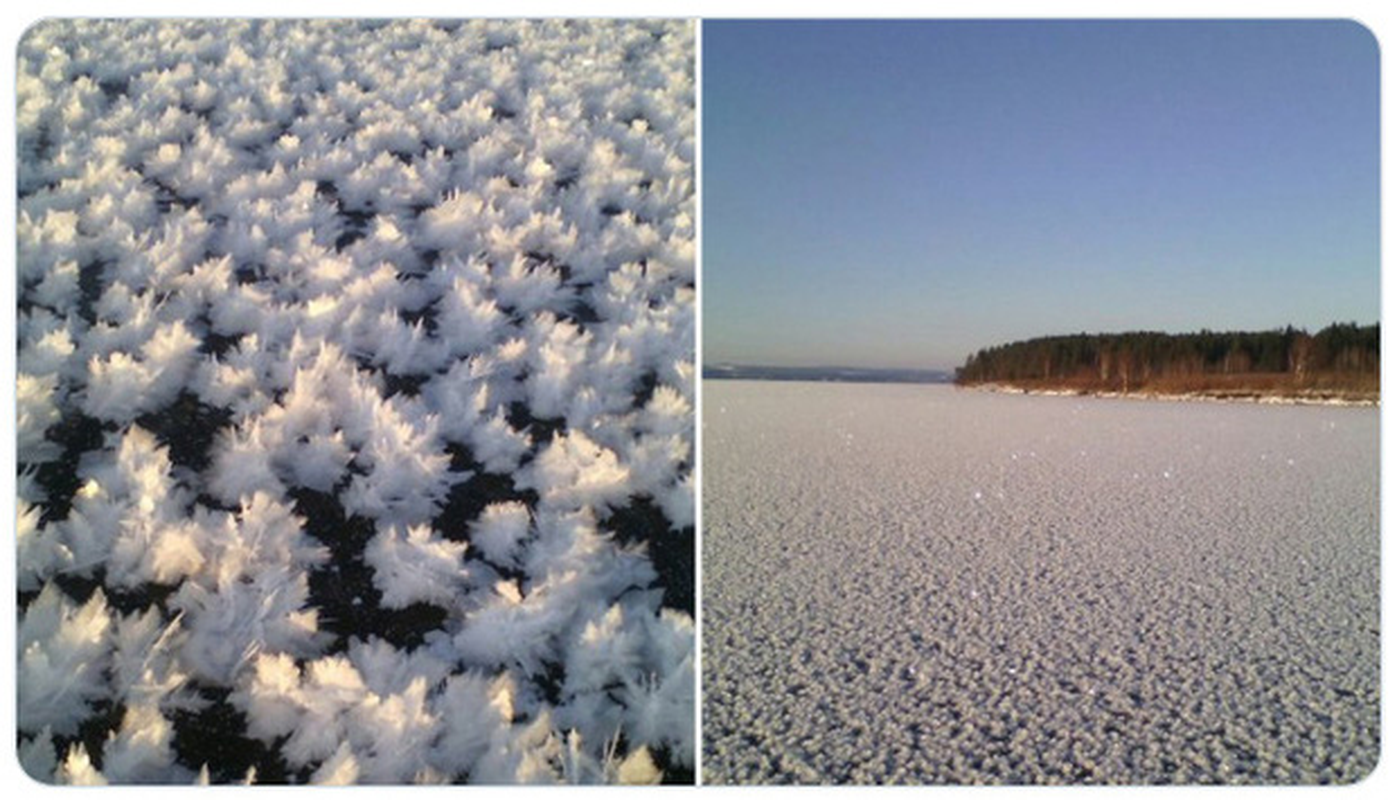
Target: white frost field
[(355, 396), (915, 584)]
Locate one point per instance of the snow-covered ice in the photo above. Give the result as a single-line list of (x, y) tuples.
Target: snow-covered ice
[(915, 584), (356, 377)]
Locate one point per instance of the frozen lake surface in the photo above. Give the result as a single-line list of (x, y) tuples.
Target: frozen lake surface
[(919, 584)]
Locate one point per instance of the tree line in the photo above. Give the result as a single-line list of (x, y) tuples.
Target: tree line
[(1342, 355)]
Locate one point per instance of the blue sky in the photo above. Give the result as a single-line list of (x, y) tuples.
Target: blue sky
[(901, 194)]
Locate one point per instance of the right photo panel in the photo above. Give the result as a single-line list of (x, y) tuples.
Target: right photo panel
[(1040, 426)]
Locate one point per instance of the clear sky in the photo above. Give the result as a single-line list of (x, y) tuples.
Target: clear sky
[(900, 194)]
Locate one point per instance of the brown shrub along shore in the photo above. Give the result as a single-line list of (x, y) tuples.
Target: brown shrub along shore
[(1340, 362)]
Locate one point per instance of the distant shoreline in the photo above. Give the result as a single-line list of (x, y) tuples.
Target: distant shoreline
[(826, 374), (1259, 397)]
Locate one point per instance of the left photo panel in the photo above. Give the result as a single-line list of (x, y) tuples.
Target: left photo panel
[(355, 401)]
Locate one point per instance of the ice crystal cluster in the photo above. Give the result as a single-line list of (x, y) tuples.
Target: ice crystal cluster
[(355, 401)]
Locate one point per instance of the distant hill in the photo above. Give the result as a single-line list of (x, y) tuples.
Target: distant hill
[(1341, 361), (833, 374)]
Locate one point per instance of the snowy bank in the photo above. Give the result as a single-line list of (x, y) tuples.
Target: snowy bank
[(1304, 398)]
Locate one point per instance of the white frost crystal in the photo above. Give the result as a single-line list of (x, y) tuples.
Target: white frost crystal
[(415, 567), (500, 531), (36, 413), (63, 652)]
